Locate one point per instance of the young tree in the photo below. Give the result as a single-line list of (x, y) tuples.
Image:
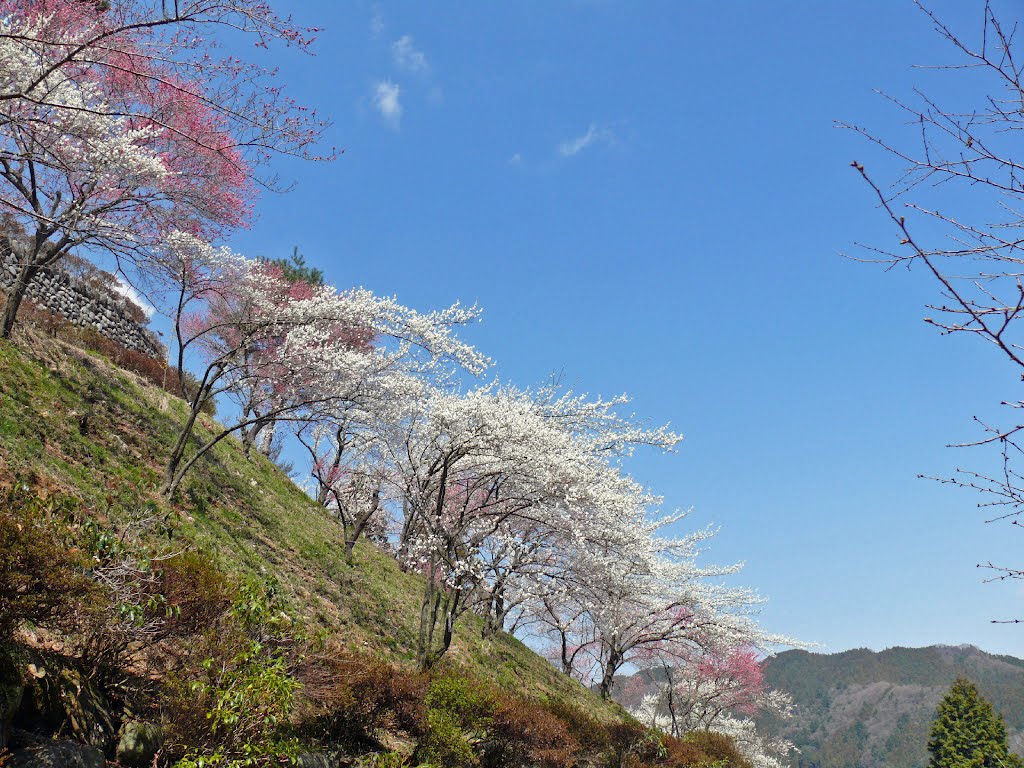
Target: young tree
[(967, 732), (462, 467), (660, 599), (718, 689), (955, 205), (345, 447)]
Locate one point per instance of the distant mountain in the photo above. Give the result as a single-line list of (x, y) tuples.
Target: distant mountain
[(862, 709)]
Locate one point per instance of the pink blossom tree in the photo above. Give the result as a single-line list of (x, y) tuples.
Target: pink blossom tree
[(150, 56), (117, 127)]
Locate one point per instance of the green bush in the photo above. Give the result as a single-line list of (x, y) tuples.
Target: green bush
[(445, 745), (389, 760), (470, 703), (235, 710)]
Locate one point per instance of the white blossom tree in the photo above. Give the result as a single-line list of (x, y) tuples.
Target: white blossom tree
[(488, 486), (304, 352)]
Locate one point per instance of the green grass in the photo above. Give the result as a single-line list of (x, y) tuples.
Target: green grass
[(71, 422)]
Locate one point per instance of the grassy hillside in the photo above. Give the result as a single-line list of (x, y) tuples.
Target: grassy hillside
[(862, 709), (71, 422), (81, 448)]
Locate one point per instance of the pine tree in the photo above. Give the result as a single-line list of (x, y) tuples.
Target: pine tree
[(967, 732)]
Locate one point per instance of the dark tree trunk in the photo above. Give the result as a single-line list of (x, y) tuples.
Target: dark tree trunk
[(14, 298), (608, 678)]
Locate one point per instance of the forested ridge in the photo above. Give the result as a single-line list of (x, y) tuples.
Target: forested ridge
[(866, 708)]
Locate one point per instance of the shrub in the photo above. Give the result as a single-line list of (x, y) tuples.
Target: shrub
[(195, 592), (445, 743), (42, 570), (470, 703), (388, 760), (588, 732), (522, 733), (630, 745), (685, 754), (235, 709), (719, 748), (350, 696)]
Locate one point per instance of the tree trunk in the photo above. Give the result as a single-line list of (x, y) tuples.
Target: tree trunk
[(451, 613), (177, 453), (267, 438), (428, 598), (14, 298), (494, 621), (671, 701), (566, 661), (608, 678)]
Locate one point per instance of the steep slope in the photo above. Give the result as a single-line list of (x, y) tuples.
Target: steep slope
[(71, 422), (862, 709)]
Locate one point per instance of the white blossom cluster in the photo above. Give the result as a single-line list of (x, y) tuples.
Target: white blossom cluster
[(760, 750)]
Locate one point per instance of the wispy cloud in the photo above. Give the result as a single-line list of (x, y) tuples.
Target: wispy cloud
[(408, 57), (516, 159), (386, 99), (377, 25), (595, 134)]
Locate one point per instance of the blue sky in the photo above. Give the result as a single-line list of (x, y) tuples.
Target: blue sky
[(652, 198)]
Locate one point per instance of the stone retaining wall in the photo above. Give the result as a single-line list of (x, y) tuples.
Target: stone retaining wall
[(58, 292)]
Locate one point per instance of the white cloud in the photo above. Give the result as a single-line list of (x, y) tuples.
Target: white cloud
[(134, 296), (377, 25), (386, 100), (407, 57), (595, 134)]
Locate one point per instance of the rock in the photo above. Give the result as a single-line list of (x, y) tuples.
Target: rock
[(56, 754), (12, 686), (139, 743), (318, 760), (63, 699)]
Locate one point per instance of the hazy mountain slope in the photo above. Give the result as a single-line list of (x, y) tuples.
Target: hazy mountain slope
[(862, 709)]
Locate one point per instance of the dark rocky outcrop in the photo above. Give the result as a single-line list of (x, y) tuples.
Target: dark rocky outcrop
[(12, 685), (49, 753), (138, 744), (60, 699)]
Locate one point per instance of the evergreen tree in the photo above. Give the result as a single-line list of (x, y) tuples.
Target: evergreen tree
[(967, 732), (296, 269)]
